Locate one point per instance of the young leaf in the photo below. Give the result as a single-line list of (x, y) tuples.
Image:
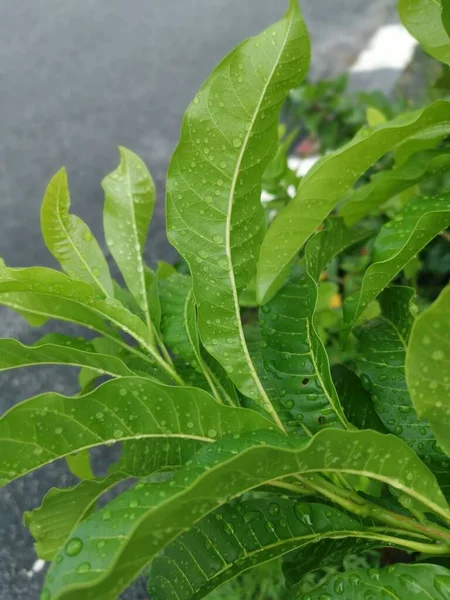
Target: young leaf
[(14, 354), (236, 537), (387, 184), (50, 426), (129, 202), (70, 240), (355, 399), (218, 473), (214, 215), (423, 20), (396, 244), (427, 367), (382, 345), (54, 295), (294, 358), (328, 181), (397, 581)]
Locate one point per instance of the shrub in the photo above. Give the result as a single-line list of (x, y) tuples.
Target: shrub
[(242, 445)]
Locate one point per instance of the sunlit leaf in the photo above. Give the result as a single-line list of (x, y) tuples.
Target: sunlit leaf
[(129, 202), (70, 240), (427, 367), (328, 181), (395, 245), (214, 215)]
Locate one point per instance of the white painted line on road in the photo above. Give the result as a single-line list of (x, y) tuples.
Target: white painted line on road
[(36, 568), (391, 47)]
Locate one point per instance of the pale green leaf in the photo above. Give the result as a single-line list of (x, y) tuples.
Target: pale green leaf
[(239, 536), (214, 215), (70, 240), (129, 202), (14, 354), (428, 367), (80, 464), (328, 181), (395, 245), (150, 516), (397, 582), (387, 184), (50, 426), (423, 20)]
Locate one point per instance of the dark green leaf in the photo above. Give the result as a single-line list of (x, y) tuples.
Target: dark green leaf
[(214, 215), (70, 240), (397, 582), (293, 356), (151, 515), (355, 399), (328, 181), (236, 537)]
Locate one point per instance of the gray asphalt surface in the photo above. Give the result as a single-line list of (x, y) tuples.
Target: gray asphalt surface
[(77, 78)]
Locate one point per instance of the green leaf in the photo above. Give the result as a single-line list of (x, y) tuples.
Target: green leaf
[(80, 464), (395, 245), (328, 181), (423, 20), (62, 510), (179, 325), (427, 367), (162, 511), (214, 215), (129, 202), (54, 295), (70, 240), (387, 184), (237, 537), (327, 553), (382, 345), (14, 354), (395, 582), (50, 426), (178, 318), (356, 401), (293, 356)]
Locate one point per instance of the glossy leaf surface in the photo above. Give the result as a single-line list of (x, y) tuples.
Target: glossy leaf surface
[(219, 472), (395, 245), (397, 582), (292, 352), (214, 215), (328, 181), (70, 240), (423, 20), (387, 184), (428, 367), (129, 202), (236, 537), (50, 426)]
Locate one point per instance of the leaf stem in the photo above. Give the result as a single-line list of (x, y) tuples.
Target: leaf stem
[(364, 508)]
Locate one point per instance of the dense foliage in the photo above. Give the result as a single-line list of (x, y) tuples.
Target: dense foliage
[(284, 392)]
